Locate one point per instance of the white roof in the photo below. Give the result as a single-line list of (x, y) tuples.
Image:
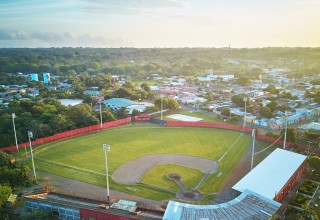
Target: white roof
[(268, 177)]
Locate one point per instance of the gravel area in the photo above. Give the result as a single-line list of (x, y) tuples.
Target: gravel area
[(131, 172)]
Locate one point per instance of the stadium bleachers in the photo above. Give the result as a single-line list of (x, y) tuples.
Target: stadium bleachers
[(248, 206)]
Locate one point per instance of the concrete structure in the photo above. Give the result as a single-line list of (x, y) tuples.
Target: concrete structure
[(275, 175), (260, 190), (75, 208), (248, 205), (46, 78), (33, 77)]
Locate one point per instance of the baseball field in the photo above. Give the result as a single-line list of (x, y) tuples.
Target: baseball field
[(142, 155)]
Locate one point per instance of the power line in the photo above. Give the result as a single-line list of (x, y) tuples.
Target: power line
[(269, 145)]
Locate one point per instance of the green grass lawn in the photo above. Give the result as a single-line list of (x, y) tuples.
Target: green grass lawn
[(82, 157), (158, 176)]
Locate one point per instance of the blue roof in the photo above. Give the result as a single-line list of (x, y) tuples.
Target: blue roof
[(295, 117), (92, 92), (119, 102)]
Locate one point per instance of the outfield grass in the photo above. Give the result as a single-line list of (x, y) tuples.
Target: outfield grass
[(82, 157), (158, 176)]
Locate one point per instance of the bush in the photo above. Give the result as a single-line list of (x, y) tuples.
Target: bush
[(235, 118), (308, 188), (271, 134), (314, 162), (300, 201), (315, 175), (293, 213)]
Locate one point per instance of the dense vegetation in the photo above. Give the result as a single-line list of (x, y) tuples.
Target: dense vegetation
[(13, 176), (142, 63)]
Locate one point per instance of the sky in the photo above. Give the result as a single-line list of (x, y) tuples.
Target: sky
[(160, 23)]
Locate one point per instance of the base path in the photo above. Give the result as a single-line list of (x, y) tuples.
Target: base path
[(131, 172)]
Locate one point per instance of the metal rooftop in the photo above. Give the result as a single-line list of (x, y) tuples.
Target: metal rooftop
[(248, 205), (268, 177)]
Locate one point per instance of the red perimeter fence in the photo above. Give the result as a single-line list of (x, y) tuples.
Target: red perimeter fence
[(207, 125), (71, 133)]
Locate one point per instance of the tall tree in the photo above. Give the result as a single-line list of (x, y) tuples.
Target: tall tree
[(5, 192), (243, 81)]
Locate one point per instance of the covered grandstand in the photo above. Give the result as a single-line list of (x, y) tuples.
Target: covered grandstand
[(275, 175), (248, 205), (261, 189)]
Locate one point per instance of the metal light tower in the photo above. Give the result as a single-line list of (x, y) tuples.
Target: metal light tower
[(285, 130), (253, 143), (161, 96), (245, 99), (14, 129), (100, 101), (106, 147), (30, 135)]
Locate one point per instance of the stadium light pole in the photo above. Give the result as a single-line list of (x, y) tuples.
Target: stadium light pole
[(253, 143), (30, 135), (14, 129), (161, 96), (106, 147), (245, 99), (285, 129), (100, 101)]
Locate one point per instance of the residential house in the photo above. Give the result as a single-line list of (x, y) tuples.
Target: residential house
[(313, 127), (255, 93), (250, 118), (224, 77), (237, 111), (93, 93), (261, 122), (296, 118), (33, 92), (294, 92)]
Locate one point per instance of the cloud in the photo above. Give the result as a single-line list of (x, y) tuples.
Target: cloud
[(51, 39), (307, 2), (14, 35), (141, 7)]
